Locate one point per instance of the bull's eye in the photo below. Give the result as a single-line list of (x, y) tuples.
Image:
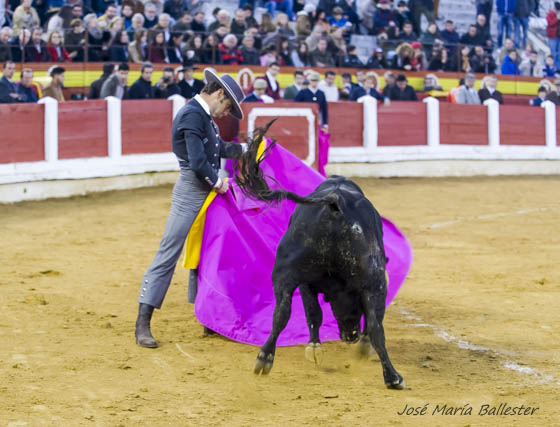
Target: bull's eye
[(357, 229)]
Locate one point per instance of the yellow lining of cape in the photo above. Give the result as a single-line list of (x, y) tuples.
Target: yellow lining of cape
[(193, 244)]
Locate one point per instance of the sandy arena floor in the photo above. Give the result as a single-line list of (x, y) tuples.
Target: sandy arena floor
[(477, 322)]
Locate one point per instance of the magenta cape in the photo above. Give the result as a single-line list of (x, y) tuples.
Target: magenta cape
[(235, 292)]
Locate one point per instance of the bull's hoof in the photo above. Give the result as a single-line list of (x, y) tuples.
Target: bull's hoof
[(398, 384), (314, 353), (364, 348), (263, 364)]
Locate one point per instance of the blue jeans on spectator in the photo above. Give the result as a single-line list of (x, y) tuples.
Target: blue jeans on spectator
[(504, 21), (524, 24), (555, 51), (286, 6)]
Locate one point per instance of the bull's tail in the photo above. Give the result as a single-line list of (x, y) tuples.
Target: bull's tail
[(251, 180)]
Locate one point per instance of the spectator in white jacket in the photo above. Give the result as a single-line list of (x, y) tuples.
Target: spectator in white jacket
[(466, 93), (532, 66), (328, 86)]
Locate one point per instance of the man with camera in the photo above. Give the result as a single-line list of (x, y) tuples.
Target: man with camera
[(166, 86)]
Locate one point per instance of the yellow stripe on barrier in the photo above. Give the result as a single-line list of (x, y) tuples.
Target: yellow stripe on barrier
[(85, 78)]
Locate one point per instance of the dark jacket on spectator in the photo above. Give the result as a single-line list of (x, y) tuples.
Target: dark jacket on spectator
[(479, 64), (7, 87), (175, 55), (412, 37), (208, 55), (408, 94), (170, 90), (237, 29), (252, 98), (141, 89), (329, 5), (398, 62), (5, 52), (401, 18), (175, 8), (553, 97), (352, 61), (56, 57), (250, 56), (18, 52), (359, 91), (387, 90), (483, 32), (436, 64), (150, 23), (375, 63), (485, 94), (32, 54), (26, 94), (188, 91), (468, 40), (323, 57), (198, 28), (72, 43), (451, 38), (306, 95), (95, 88), (118, 52)]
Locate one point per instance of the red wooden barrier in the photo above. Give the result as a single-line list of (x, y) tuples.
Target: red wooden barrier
[(82, 129), (522, 125), (402, 123), (346, 124), (463, 124), (22, 133), (146, 126)]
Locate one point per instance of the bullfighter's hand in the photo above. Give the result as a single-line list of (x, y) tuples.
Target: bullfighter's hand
[(224, 187)]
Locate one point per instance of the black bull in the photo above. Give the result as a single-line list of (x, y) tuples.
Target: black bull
[(333, 246)]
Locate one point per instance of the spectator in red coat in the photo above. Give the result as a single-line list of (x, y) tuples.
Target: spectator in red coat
[(157, 51), (56, 50), (552, 32), (231, 55), (272, 86)]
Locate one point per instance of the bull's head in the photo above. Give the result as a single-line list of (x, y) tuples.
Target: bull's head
[(347, 310)]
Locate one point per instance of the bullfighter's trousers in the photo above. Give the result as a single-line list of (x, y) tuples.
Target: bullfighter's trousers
[(189, 194)]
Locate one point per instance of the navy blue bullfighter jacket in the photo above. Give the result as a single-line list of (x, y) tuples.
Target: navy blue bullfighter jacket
[(197, 143)]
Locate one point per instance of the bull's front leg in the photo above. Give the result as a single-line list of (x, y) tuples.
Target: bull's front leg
[(314, 315), (364, 347), (377, 337), (282, 313)]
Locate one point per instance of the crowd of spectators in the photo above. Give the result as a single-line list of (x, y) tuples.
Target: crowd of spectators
[(293, 33), (307, 86)]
